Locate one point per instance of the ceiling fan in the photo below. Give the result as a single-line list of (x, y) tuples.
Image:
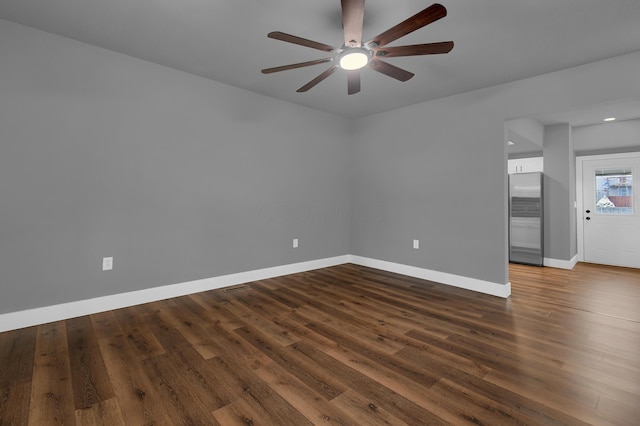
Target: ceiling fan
[(355, 54)]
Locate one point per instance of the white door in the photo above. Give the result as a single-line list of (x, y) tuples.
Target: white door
[(611, 211)]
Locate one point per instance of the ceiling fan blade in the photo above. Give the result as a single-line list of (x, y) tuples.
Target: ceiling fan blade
[(353, 82), (352, 18), (294, 66), (390, 70), (415, 49), (277, 35), (318, 79), (431, 14)]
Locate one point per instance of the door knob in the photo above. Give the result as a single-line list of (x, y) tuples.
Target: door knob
[(588, 211), (588, 218)]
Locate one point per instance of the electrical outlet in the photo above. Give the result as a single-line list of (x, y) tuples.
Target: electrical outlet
[(107, 263), (295, 243), (416, 244)]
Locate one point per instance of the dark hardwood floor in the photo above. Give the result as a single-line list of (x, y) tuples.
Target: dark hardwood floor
[(346, 345)]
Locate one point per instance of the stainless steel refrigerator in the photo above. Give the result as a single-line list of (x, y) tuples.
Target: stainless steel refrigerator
[(526, 218)]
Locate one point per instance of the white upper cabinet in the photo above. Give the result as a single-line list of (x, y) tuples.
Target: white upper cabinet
[(526, 165)]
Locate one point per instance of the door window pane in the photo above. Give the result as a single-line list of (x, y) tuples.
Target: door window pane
[(614, 191)]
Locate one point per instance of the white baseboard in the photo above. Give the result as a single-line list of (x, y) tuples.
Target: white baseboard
[(562, 264), (36, 316), (30, 317), (487, 287)]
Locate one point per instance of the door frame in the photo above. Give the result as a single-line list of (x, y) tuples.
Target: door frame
[(579, 191)]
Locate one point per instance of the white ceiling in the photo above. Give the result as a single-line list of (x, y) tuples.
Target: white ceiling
[(496, 41)]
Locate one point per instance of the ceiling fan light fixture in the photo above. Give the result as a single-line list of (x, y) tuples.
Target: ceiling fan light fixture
[(354, 58)]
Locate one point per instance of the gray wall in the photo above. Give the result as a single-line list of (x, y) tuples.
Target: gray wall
[(181, 178), (436, 171), (527, 134), (433, 172), (607, 138), (177, 177), (559, 193)]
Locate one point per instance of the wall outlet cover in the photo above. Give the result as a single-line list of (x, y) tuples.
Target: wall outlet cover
[(107, 263)]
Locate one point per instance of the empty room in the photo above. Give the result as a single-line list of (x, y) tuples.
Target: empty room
[(309, 213)]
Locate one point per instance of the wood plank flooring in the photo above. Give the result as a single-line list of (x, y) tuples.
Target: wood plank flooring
[(346, 345)]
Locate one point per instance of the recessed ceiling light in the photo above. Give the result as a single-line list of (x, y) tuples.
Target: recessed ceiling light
[(610, 119), (510, 143)]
